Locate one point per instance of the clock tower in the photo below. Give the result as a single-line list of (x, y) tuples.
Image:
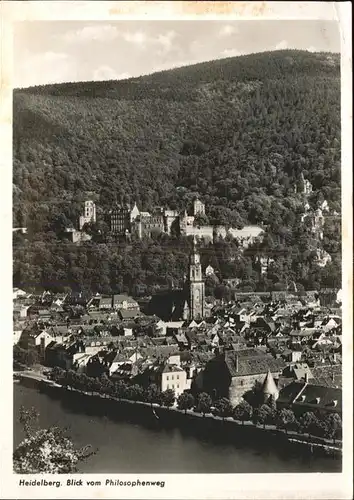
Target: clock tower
[(196, 286)]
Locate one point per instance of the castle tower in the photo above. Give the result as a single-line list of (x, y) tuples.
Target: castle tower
[(196, 286), (198, 207), (134, 213), (269, 388), (90, 210), (89, 214)]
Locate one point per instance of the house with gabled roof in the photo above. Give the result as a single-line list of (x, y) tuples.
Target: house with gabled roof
[(81, 361), (18, 293), (128, 314), (298, 371), (166, 376), (304, 397), (124, 301), (234, 373), (321, 340)]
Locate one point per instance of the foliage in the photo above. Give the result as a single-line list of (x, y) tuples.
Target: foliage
[(27, 357), (309, 423), (243, 411), (329, 426), (185, 401), (135, 393), (333, 424), (203, 403), (168, 397), (237, 132), (120, 389), (153, 394), (286, 419), (261, 415), (201, 220), (57, 374), (255, 396), (223, 408), (107, 386), (46, 450)]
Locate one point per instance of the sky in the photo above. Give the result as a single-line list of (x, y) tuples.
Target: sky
[(68, 51)]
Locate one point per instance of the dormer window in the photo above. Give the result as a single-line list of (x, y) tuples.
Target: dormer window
[(334, 402), (303, 398), (318, 401)]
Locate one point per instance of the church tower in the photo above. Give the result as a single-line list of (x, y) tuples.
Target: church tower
[(196, 286)]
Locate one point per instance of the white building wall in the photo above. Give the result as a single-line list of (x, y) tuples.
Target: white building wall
[(177, 381)]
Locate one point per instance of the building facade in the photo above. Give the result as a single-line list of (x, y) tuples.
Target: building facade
[(198, 207), (89, 214), (170, 218), (120, 219)]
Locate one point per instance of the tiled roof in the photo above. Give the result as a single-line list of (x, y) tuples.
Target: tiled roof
[(290, 391), (128, 314), (168, 368), (123, 297), (306, 332), (251, 362), (320, 396), (330, 376)]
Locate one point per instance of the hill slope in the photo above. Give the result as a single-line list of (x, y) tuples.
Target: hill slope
[(238, 131), (218, 128)]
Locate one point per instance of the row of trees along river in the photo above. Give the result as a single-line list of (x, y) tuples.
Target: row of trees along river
[(310, 423)]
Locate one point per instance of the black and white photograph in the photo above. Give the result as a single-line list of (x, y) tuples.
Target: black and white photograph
[(177, 220)]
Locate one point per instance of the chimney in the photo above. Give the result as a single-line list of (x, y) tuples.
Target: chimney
[(306, 378), (236, 363)]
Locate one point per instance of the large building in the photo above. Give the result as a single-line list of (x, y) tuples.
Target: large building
[(124, 220), (186, 303), (89, 214), (234, 373), (120, 219), (145, 224)]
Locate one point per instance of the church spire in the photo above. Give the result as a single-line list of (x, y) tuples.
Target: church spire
[(196, 285)]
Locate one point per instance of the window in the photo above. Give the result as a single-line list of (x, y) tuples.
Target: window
[(172, 377), (177, 386), (241, 382), (168, 386), (177, 376), (173, 386), (167, 378)]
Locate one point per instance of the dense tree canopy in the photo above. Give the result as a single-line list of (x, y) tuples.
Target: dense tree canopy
[(239, 132)]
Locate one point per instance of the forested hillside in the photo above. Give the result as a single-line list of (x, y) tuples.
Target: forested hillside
[(238, 131)]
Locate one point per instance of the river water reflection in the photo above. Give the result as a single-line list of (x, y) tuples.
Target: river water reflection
[(129, 448)]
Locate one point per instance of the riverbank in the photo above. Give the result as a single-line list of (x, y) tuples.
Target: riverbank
[(189, 422)]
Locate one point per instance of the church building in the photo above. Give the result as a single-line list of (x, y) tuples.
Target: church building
[(186, 303)]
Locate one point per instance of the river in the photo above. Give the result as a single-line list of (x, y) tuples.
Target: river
[(125, 447)]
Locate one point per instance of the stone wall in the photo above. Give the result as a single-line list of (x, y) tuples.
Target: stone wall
[(200, 232), (240, 385)]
